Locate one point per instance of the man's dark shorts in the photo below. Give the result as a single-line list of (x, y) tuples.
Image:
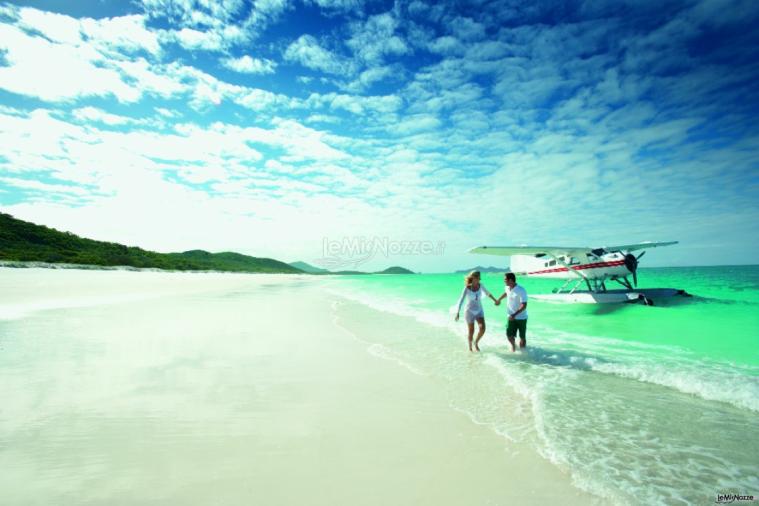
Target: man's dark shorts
[(513, 326)]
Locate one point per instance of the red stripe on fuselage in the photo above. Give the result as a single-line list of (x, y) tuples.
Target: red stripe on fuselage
[(597, 265)]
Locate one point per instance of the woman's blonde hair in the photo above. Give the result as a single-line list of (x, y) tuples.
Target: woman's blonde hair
[(469, 277)]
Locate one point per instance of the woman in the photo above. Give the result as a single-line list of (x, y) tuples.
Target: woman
[(473, 292)]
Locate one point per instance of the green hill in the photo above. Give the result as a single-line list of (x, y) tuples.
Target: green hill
[(483, 269), (24, 241), (395, 270), (305, 267)]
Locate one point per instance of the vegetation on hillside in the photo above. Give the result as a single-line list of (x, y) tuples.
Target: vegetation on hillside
[(24, 241)]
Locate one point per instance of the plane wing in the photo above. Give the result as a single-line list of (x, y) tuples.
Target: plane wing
[(528, 250), (560, 250), (635, 247)]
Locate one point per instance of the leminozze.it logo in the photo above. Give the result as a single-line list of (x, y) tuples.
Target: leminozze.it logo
[(353, 251), (731, 498)]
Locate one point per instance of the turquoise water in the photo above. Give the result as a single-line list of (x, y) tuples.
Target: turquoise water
[(640, 404)]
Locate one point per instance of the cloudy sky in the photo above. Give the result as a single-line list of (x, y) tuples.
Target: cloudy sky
[(271, 127)]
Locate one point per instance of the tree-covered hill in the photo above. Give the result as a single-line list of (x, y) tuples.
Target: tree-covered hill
[(395, 270), (24, 241), (306, 267)]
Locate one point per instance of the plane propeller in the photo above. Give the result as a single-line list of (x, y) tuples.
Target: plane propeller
[(631, 262)]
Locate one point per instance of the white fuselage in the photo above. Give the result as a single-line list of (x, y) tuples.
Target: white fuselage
[(606, 266)]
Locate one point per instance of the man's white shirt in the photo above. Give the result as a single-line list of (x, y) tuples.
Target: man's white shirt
[(514, 299)]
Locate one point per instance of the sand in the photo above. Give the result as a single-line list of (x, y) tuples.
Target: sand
[(157, 388)]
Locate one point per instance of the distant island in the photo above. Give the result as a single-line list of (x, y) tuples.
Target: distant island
[(483, 269), (306, 267), (25, 242), (395, 270)]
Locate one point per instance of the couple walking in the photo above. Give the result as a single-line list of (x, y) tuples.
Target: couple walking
[(516, 308)]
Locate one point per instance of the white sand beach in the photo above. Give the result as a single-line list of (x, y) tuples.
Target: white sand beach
[(174, 388)]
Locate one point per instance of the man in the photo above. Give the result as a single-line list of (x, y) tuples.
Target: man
[(516, 308)]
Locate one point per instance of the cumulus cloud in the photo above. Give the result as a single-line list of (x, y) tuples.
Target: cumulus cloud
[(56, 57), (189, 38), (248, 65), (121, 34), (57, 71), (376, 38), (446, 45), (354, 103), (194, 13), (307, 51), (152, 78), (87, 155), (373, 75), (90, 114), (213, 26), (417, 123), (339, 5), (116, 35), (467, 28)]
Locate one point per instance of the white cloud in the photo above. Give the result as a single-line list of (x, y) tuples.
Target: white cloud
[(322, 118), (356, 104), (84, 154), (189, 38), (376, 38), (417, 123), (339, 5), (209, 91), (248, 65), (49, 189), (446, 45), (55, 72), (167, 112), (194, 12), (300, 142), (213, 25), (258, 100), (117, 34), (467, 28), (121, 34), (210, 39), (56, 57), (158, 79), (58, 28), (89, 114), (307, 51), (373, 75), (488, 50)]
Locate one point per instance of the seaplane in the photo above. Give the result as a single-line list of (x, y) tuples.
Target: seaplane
[(586, 271)]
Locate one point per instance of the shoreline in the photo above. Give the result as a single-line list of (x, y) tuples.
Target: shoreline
[(33, 264), (486, 402)]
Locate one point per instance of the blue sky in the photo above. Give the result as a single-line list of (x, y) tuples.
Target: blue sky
[(267, 127)]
